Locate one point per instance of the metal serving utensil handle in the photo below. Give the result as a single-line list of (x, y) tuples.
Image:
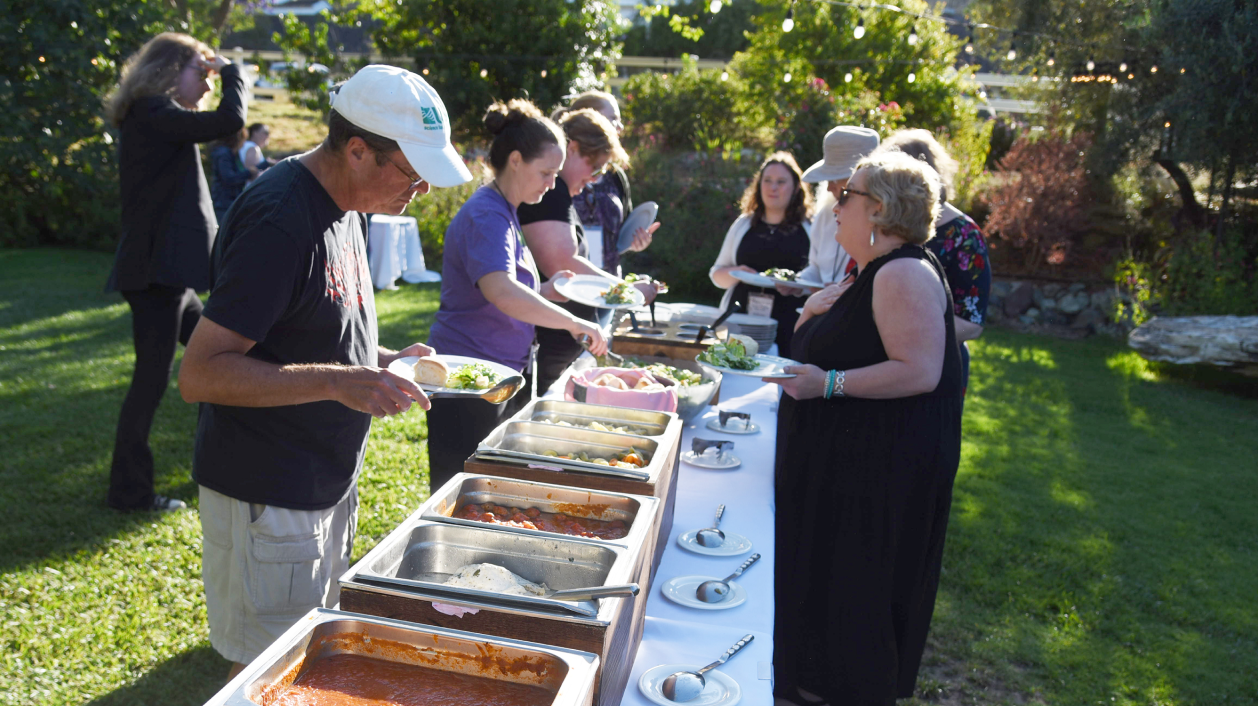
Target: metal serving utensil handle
[(720, 511), (746, 565), (728, 653), (573, 594)]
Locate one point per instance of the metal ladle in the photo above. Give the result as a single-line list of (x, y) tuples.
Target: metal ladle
[(716, 591), (497, 394), (712, 537), (686, 686)]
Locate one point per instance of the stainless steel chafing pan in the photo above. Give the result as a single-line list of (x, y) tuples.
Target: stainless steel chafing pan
[(426, 556), (636, 511), (568, 674), (517, 442), (641, 422)]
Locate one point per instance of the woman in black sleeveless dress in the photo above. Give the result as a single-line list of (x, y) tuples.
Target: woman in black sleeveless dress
[(866, 465)]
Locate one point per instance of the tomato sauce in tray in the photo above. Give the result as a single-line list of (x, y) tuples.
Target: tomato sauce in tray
[(535, 519), (354, 680)]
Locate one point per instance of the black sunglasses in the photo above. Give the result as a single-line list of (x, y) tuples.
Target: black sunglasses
[(847, 192)]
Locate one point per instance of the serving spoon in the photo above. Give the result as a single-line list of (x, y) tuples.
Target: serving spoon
[(716, 591), (712, 537), (686, 686), (503, 391)]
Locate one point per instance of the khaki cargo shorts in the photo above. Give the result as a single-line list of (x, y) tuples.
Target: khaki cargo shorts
[(264, 567)]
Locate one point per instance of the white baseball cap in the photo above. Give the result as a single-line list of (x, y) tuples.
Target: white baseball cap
[(401, 106), (843, 148)]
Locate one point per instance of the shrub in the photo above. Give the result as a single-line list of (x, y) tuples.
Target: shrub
[(1198, 274), (1041, 206), (692, 110)]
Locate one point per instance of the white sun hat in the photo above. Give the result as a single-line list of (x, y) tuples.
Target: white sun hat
[(843, 148), (400, 105)]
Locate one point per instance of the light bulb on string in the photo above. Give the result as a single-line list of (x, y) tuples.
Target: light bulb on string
[(969, 44), (1052, 58), (787, 77), (1153, 69), (847, 77), (484, 73), (543, 73), (724, 75), (912, 77), (913, 34), (860, 29), (425, 70), (1130, 76), (1091, 65), (1012, 53), (1122, 67), (788, 24), (1182, 69), (716, 6)]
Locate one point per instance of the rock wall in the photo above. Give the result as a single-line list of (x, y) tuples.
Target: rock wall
[(1078, 306)]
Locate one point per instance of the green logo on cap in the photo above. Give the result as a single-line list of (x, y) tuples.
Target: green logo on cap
[(432, 118)]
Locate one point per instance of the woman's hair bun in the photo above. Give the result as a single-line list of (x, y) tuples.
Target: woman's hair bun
[(502, 115)]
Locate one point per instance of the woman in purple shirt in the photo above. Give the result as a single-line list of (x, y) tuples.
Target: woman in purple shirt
[(490, 293)]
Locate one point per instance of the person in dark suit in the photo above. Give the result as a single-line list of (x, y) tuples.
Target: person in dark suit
[(168, 228)]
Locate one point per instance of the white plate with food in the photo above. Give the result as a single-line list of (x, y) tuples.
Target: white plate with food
[(681, 590), (734, 426), (754, 279), (451, 373), (719, 688), (729, 360), (600, 292), (734, 544), (712, 461)]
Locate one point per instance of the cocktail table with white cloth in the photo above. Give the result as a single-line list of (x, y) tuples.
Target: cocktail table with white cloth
[(394, 250)]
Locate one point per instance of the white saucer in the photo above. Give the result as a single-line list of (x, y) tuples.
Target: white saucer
[(720, 688), (681, 590), (728, 462), (735, 426), (733, 545)]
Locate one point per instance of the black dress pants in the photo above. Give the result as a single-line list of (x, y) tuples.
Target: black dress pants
[(457, 426), (161, 316)]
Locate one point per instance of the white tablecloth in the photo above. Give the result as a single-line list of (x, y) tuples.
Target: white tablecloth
[(394, 251), (678, 635)]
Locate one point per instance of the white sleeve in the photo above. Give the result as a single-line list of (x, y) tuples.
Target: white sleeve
[(729, 249)]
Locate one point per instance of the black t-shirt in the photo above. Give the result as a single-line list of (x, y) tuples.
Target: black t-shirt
[(557, 205), (289, 270)]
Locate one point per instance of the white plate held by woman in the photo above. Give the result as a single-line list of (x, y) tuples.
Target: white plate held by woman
[(681, 591), (734, 544), (720, 688), (589, 289), (755, 279), (769, 366), (405, 367)]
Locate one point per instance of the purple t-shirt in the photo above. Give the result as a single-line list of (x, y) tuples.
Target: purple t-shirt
[(484, 237)]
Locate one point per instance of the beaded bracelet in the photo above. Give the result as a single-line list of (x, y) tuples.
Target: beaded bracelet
[(829, 384)]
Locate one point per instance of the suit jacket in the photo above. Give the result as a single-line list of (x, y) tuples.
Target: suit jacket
[(168, 223)]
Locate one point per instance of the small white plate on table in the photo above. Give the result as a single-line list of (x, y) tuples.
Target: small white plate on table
[(734, 544), (681, 591), (719, 688), (405, 367), (735, 426), (755, 279), (589, 289), (712, 462), (770, 366)]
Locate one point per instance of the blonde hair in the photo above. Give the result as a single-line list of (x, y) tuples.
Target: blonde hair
[(800, 207), (593, 100), (908, 190), (153, 71), (920, 144), (593, 133)]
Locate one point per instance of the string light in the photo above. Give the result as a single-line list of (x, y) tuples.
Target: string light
[(1091, 65), (913, 35), (969, 44), (787, 77), (724, 75), (860, 28), (484, 73), (1153, 69), (788, 24), (1013, 52), (1122, 67), (912, 77), (1052, 58), (1182, 69), (425, 70), (543, 73), (716, 6), (847, 77), (1130, 76)]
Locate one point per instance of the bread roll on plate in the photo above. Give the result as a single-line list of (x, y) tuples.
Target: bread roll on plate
[(431, 371)]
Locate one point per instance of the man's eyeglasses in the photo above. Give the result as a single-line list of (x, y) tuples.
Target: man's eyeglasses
[(415, 181), (844, 194)]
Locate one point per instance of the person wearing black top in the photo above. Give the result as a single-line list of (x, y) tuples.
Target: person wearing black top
[(168, 227), (864, 473), (553, 232), (771, 233), (230, 174)]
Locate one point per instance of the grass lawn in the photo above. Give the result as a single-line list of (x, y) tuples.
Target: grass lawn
[(1102, 547)]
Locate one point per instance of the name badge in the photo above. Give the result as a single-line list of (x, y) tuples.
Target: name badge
[(594, 242), (760, 305)]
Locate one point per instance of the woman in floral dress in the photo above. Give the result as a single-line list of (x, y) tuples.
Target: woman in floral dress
[(958, 243)]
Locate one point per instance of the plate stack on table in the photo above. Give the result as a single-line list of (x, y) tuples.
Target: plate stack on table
[(762, 329), (404, 576), (341, 655)]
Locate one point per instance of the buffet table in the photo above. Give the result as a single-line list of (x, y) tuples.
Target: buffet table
[(678, 635)]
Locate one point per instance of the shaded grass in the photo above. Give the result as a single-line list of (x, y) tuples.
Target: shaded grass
[(1102, 546)]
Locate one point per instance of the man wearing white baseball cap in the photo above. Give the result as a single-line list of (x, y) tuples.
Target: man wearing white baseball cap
[(844, 146), (286, 361)]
